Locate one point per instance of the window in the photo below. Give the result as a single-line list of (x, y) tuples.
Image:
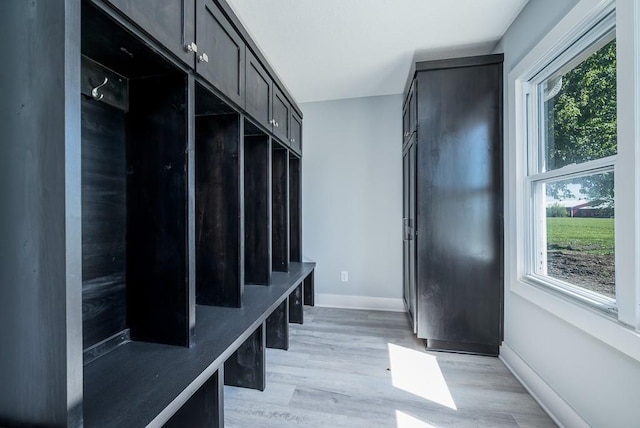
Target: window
[(571, 149), (555, 173)]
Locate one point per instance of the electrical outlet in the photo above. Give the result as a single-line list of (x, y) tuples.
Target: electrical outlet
[(344, 276)]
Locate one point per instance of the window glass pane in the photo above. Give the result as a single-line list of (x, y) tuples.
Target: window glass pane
[(579, 232), (579, 111)]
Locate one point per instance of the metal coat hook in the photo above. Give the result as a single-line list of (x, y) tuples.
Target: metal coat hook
[(94, 92)]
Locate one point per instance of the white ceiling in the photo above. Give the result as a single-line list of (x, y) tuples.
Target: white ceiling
[(333, 49)]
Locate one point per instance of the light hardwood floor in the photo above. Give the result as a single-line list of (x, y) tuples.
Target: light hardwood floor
[(350, 368)]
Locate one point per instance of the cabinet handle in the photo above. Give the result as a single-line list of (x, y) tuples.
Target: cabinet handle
[(293, 140), (203, 58), (271, 121), (405, 227), (191, 47), (276, 124)]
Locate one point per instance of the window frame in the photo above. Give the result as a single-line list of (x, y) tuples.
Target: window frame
[(620, 330), (595, 36)]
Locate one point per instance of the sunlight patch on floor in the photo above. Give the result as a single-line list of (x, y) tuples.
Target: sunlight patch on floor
[(419, 373), (408, 421)]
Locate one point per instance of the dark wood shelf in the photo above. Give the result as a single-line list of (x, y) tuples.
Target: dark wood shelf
[(139, 382)]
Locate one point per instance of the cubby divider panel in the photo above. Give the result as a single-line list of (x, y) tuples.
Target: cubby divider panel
[(309, 290), (218, 210), (257, 209), (277, 327), (295, 209), (104, 218), (157, 270), (280, 209), (205, 408), (296, 308), (246, 367)]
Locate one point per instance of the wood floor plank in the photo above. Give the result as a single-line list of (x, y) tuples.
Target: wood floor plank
[(350, 368)]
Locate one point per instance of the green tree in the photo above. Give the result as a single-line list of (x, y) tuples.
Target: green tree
[(581, 121), (556, 210)]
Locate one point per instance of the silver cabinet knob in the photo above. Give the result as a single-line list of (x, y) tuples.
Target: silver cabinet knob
[(191, 47), (293, 140), (203, 58), (276, 124)]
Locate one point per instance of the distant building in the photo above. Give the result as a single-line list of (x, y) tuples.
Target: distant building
[(584, 208)]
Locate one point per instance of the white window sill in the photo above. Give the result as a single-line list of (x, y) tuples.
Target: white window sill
[(591, 321)]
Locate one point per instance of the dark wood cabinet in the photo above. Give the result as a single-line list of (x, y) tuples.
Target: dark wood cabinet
[(296, 133), (221, 51), (456, 192), (281, 115), (141, 196), (259, 92), (170, 22)]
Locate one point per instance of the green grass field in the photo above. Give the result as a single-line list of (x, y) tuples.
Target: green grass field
[(590, 235)]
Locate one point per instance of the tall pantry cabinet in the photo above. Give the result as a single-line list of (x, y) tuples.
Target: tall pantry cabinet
[(452, 203)]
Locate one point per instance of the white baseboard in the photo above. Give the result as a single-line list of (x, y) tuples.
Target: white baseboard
[(359, 302), (558, 409)]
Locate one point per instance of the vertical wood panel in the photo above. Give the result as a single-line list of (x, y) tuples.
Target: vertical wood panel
[(157, 235), (103, 221), (296, 308), (309, 290), (40, 271), (246, 367), (277, 326), (205, 408), (280, 209), (218, 252), (295, 210), (257, 209)]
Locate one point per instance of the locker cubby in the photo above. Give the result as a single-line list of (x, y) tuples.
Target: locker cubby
[(257, 206), (135, 282), (280, 208), (218, 163)]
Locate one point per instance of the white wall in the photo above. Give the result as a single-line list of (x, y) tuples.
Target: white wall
[(352, 200), (580, 378)]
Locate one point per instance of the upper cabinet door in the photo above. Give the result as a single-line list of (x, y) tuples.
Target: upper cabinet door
[(296, 132), (170, 22), (409, 114), (413, 109), (281, 114), (405, 124), (259, 92), (221, 52)]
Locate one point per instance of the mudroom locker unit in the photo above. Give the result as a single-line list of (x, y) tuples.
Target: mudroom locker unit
[(452, 203), (152, 228)]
